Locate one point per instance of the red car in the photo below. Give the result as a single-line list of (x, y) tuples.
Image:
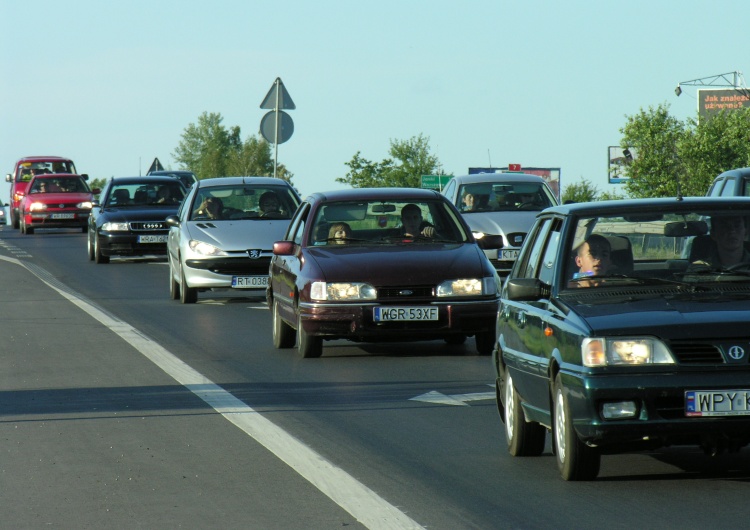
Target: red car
[(24, 170), (55, 201)]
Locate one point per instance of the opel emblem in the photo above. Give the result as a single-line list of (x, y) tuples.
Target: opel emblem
[(736, 352), (253, 253)]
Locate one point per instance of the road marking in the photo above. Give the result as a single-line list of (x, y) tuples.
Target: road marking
[(360, 501), (454, 399)]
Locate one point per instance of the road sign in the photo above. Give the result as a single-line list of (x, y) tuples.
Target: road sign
[(155, 166), (435, 182), (278, 97), (268, 127)]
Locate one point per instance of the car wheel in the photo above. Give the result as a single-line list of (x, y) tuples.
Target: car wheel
[(90, 248), (284, 335), (188, 295), (524, 438), (485, 342), (16, 221), (28, 230), (309, 345), (174, 287), (98, 256), (575, 459), (84, 229)]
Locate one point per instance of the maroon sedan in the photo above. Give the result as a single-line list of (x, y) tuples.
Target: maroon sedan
[(55, 201), (381, 265)]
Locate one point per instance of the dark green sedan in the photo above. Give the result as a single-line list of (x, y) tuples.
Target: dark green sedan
[(625, 326)]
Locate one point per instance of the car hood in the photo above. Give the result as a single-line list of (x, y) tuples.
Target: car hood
[(500, 223), (54, 198), (413, 264), (716, 315), (238, 235)]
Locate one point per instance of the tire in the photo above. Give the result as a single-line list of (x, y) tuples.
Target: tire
[(16, 221), (485, 342), (575, 459), (284, 335), (524, 438), (188, 295), (90, 248), (310, 347), (99, 258), (84, 229), (28, 230), (174, 287)]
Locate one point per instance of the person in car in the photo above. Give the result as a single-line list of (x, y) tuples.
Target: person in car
[(728, 234), (270, 205), (210, 208), (412, 223), (592, 257), (468, 203), (339, 233)]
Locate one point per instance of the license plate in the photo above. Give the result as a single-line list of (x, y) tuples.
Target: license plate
[(717, 403), (152, 239), (63, 216), (249, 282), (509, 254), (401, 314)]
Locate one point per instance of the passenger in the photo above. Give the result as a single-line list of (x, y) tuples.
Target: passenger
[(269, 205), (210, 208), (592, 257), (728, 233), (339, 233), (468, 203), (165, 196), (412, 223)]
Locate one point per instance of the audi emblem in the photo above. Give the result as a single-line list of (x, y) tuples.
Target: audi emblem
[(254, 253), (736, 352)]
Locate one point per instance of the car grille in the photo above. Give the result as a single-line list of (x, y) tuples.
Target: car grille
[(241, 266), (411, 292), (137, 226), (696, 352), (502, 266)]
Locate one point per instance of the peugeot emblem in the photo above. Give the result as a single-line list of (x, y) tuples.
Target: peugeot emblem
[(736, 352), (253, 253)]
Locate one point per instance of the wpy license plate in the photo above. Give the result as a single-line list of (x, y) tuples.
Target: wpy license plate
[(717, 403)]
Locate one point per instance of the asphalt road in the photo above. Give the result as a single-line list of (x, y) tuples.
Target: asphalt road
[(122, 408)]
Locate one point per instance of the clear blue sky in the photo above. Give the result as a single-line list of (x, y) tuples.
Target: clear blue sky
[(541, 83)]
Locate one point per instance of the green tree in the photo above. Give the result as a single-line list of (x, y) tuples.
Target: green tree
[(210, 150), (97, 183), (655, 136), (584, 191), (410, 159)]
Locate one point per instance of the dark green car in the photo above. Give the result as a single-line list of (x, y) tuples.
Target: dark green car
[(624, 326)]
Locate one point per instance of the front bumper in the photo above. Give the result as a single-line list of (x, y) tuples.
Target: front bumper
[(660, 408), (48, 220), (211, 273), (355, 321), (130, 243)]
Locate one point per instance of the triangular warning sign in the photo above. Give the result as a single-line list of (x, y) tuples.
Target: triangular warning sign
[(284, 99), (155, 166)]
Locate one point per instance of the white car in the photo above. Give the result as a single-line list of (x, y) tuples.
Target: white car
[(222, 237), (504, 204)]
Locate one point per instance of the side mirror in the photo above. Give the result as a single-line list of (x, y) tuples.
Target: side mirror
[(172, 220), (85, 176), (283, 248), (488, 242), (8, 178), (526, 289)]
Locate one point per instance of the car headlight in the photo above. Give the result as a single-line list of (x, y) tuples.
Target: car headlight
[(467, 287), (115, 227), (637, 351), (85, 205), (205, 249), (37, 207), (344, 291)]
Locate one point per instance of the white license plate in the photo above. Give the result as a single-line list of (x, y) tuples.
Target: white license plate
[(509, 254), (249, 282), (152, 239), (63, 216), (401, 314), (717, 403)]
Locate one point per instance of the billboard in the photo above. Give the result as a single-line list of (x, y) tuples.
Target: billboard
[(713, 101), (551, 175), (618, 158)]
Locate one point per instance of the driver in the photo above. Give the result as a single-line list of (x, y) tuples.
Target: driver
[(728, 232), (269, 205)]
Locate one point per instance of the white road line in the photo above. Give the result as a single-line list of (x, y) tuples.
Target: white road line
[(360, 501)]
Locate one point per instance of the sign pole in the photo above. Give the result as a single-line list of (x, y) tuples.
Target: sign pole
[(276, 139)]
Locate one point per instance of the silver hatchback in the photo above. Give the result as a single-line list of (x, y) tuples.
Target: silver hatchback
[(503, 204), (223, 235)]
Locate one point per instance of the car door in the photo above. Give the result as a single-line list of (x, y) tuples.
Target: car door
[(284, 270), (529, 345)]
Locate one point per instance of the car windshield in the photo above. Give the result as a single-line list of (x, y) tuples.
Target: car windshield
[(243, 201), (695, 247), (146, 194), (59, 185), (385, 223), (30, 169), (504, 197)]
